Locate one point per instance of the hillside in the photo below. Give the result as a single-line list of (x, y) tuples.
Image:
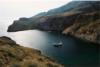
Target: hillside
[(87, 30), (80, 18), (14, 55)]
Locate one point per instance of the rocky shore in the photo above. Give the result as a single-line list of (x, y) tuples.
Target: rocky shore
[(14, 55)]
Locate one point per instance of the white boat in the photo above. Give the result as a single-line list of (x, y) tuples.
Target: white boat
[(59, 44)]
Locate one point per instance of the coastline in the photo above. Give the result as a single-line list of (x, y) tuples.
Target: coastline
[(12, 54)]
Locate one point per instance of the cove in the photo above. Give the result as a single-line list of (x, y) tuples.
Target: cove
[(73, 52)]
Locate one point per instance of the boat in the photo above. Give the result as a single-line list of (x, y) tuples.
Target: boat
[(58, 44)]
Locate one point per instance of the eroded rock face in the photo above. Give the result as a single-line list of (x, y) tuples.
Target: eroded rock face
[(13, 55), (86, 27)]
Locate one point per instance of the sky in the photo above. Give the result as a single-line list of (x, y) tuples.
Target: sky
[(14, 9), (11, 10), (27, 8)]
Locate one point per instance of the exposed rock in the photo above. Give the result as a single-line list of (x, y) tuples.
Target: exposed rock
[(86, 27), (14, 55), (56, 19), (78, 18), (55, 23)]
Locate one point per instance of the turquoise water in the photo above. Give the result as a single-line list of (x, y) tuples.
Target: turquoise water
[(74, 52)]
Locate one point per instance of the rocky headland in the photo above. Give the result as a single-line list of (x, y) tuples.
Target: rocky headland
[(77, 18), (14, 55)]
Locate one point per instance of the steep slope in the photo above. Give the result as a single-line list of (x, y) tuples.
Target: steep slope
[(13, 55), (86, 26), (78, 18), (52, 15), (74, 6)]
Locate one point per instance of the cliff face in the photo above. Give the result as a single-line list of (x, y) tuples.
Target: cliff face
[(13, 55), (78, 18), (51, 23), (86, 27), (55, 19)]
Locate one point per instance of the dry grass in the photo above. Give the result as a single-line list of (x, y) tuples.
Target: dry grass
[(19, 56)]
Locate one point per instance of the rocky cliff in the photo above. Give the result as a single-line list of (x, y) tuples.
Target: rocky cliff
[(78, 18), (86, 27), (14, 55)]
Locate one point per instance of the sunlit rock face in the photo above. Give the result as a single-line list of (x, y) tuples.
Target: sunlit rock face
[(14, 55), (78, 18)]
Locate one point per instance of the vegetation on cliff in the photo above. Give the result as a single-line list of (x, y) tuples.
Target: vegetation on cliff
[(86, 26), (14, 55)]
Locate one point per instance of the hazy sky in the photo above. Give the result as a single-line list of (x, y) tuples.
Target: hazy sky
[(11, 10), (27, 8)]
